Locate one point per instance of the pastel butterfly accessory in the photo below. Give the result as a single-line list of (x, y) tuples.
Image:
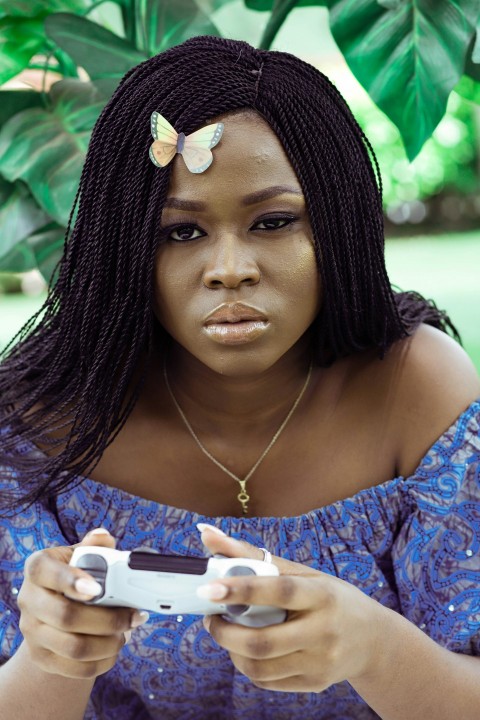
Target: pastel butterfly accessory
[(195, 148)]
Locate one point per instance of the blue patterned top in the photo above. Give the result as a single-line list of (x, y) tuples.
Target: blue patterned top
[(411, 543)]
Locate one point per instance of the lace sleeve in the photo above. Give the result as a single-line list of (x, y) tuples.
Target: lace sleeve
[(436, 555)]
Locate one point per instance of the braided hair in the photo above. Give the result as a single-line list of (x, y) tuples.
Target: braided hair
[(89, 345)]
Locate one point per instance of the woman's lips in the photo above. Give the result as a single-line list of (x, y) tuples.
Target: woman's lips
[(236, 333), (235, 324)]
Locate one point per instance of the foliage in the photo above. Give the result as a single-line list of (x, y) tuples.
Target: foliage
[(408, 54), (44, 135), (447, 162)]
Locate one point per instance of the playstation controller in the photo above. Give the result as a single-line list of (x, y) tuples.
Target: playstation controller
[(167, 584)]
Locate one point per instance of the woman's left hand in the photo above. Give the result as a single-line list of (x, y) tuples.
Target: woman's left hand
[(333, 631)]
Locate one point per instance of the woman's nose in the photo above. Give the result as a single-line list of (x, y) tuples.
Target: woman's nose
[(230, 264)]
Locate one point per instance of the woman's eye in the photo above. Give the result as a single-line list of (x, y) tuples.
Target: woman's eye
[(273, 223), (183, 233)]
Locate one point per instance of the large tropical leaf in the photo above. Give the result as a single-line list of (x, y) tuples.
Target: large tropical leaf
[(14, 101), (161, 25), (19, 40), (472, 66), (41, 250), (41, 8), (468, 89), (46, 148), (20, 216), (408, 54), (105, 56), (263, 5)]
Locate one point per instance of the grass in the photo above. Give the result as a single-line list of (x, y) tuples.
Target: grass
[(445, 268)]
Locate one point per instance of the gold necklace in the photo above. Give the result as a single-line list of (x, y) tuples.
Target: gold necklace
[(243, 497)]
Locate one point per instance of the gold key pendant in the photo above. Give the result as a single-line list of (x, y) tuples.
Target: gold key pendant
[(243, 496)]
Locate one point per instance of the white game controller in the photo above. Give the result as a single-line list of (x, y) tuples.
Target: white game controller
[(166, 583)]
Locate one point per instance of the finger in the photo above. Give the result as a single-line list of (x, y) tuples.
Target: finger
[(75, 646), (98, 537), (295, 683), (256, 643), (285, 591), (217, 542), (271, 670), (51, 663), (68, 615), (50, 569)]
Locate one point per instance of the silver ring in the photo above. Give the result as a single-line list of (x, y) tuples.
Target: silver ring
[(267, 556)]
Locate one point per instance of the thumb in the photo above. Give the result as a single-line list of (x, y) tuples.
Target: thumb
[(217, 542), (99, 537)]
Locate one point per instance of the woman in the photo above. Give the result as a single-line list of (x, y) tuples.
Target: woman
[(222, 347)]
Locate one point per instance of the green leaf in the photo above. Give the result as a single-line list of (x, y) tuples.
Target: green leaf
[(468, 89), (408, 58), (105, 56), (472, 66), (161, 25), (47, 247), (211, 6), (390, 4), (476, 46), (19, 40), (41, 250), (14, 101), (264, 5), (41, 8), (20, 215), (46, 148), (260, 5)]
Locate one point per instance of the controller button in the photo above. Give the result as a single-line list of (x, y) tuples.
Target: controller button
[(237, 609), (97, 567), (92, 562), (239, 570)]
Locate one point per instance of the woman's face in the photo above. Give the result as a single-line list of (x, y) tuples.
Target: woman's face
[(237, 243)]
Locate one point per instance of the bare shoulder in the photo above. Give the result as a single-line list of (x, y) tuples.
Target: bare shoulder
[(435, 382)]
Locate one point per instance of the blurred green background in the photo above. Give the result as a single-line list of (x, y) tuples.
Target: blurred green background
[(432, 205)]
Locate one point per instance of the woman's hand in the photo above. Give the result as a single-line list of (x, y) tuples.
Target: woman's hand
[(332, 632), (63, 636)]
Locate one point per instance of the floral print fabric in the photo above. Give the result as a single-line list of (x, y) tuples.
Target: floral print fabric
[(411, 543)]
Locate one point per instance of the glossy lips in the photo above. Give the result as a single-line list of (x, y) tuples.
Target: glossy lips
[(235, 324)]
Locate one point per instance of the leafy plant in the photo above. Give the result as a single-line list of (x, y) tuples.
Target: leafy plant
[(44, 135), (408, 54)]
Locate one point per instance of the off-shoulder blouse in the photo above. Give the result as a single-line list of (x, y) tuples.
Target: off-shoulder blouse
[(411, 543)]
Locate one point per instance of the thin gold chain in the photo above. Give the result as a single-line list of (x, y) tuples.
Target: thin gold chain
[(242, 496)]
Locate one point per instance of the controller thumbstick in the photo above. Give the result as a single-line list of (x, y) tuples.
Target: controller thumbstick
[(97, 567), (238, 571)]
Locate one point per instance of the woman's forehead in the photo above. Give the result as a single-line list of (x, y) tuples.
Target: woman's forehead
[(248, 157)]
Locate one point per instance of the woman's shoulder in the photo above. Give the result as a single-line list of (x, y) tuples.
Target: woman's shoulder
[(433, 381)]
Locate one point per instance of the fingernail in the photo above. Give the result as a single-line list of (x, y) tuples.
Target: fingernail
[(206, 622), (98, 531), (87, 586), (205, 526), (128, 636), (139, 618), (213, 591)]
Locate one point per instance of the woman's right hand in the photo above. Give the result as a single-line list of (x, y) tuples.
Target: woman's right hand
[(63, 636)]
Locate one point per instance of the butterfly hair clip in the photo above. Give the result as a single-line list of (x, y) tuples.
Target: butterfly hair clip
[(195, 148)]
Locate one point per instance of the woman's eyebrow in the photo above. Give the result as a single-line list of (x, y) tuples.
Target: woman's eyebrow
[(251, 199), (178, 204), (268, 193)]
